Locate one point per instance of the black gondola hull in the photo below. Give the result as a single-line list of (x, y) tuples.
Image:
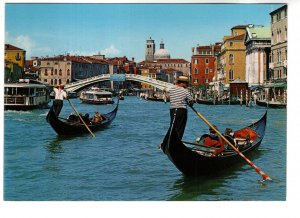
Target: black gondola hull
[(270, 104), (71, 128), (211, 102), (191, 163)]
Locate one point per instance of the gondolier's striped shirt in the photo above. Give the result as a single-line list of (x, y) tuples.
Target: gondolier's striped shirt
[(179, 97)]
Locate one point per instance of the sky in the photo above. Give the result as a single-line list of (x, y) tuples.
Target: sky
[(122, 29)]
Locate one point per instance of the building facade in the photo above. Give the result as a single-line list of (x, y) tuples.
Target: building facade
[(231, 64), (65, 68), (177, 64), (203, 64), (14, 65), (278, 56), (258, 47), (15, 55)]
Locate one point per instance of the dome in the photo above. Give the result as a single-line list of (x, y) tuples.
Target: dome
[(162, 53)]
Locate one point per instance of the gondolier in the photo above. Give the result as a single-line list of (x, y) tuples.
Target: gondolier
[(179, 99), (60, 95)]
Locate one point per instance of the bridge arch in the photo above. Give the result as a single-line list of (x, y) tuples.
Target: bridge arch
[(74, 86)]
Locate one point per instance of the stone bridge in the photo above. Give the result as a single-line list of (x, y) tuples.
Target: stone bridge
[(105, 77)]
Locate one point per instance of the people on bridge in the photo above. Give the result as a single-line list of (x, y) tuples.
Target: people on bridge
[(60, 95)]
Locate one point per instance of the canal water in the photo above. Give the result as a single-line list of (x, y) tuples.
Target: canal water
[(123, 162)]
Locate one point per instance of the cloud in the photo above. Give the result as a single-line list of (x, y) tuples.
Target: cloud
[(27, 43), (111, 51)]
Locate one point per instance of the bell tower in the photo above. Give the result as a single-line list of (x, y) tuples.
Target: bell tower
[(149, 50)]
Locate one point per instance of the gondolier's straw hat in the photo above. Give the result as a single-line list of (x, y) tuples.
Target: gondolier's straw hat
[(183, 79)]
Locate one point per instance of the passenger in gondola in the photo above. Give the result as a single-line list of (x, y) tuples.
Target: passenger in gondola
[(97, 117), (212, 140), (86, 118), (73, 118), (60, 95)]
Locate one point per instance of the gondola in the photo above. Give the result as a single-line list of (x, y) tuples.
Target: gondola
[(192, 161), (65, 127), (270, 104), (218, 102)]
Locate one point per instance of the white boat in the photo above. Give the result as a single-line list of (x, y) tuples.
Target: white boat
[(25, 95), (95, 95)]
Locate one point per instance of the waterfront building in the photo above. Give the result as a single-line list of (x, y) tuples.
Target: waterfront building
[(258, 47), (231, 64), (177, 64), (123, 65), (15, 55), (203, 64), (278, 56), (14, 63), (66, 68)]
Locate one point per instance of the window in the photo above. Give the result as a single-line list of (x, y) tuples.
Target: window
[(285, 33), (55, 72), (285, 13), (60, 72), (195, 61), (18, 57), (195, 71), (231, 44), (195, 80), (206, 60), (46, 72), (60, 81), (68, 72), (206, 80), (51, 72), (231, 60), (45, 80), (206, 71), (231, 76)]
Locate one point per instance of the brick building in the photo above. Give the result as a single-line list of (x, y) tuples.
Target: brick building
[(203, 64)]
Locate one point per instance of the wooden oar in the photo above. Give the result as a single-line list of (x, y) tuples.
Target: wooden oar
[(264, 176), (81, 118)]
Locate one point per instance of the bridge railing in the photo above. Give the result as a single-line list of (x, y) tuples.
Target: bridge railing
[(84, 82)]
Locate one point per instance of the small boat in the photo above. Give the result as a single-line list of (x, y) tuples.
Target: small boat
[(25, 95), (217, 102), (157, 99), (95, 95), (270, 104), (69, 127), (193, 161)]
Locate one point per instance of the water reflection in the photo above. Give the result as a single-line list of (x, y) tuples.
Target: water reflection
[(55, 145)]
